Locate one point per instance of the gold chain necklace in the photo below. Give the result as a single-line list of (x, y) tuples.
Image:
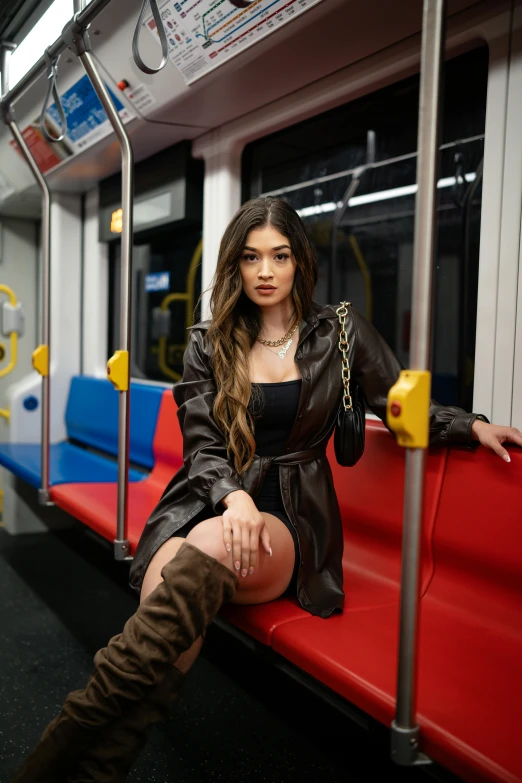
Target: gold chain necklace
[(275, 343), (282, 340)]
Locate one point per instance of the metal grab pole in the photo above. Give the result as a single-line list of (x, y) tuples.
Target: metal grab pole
[(118, 366), (41, 356), (405, 732)]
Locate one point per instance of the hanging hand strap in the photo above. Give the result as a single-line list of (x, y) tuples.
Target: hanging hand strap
[(52, 91), (162, 36), (342, 312)]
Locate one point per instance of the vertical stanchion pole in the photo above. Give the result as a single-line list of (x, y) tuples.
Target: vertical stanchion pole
[(118, 367), (41, 356), (409, 399)]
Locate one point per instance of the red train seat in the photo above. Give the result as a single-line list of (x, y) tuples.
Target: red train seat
[(371, 497), (372, 533), (96, 504), (471, 655), (470, 632)]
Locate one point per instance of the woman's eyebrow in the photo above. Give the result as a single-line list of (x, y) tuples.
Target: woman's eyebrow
[(279, 247)]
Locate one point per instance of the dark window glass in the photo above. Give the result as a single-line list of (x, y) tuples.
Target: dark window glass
[(369, 263), (171, 261)]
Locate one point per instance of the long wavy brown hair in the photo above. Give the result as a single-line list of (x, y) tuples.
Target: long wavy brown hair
[(236, 320)]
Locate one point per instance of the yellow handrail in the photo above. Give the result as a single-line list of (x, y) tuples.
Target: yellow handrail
[(13, 337), (186, 296), (361, 263)]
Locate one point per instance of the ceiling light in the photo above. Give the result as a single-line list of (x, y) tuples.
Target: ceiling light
[(44, 33), (382, 195)]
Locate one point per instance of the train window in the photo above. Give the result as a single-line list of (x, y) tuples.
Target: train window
[(166, 284), (369, 263), (166, 275)]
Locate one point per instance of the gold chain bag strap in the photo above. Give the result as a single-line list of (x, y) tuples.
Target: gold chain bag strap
[(350, 424)]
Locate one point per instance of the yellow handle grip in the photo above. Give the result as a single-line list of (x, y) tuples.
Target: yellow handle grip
[(41, 360), (118, 370), (408, 408)]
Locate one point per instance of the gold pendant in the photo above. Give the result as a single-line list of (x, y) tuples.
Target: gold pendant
[(284, 349)]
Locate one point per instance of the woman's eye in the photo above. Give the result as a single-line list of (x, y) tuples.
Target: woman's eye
[(249, 258), (282, 256)]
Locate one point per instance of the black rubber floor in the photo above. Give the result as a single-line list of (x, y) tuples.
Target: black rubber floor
[(62, 597)]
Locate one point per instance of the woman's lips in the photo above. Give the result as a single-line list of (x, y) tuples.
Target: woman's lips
[(266, 291)]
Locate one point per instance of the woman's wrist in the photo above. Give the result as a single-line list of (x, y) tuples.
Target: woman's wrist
[(233, 497), (477, 425)]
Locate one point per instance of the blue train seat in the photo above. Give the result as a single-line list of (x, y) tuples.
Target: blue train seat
[(91, 420)]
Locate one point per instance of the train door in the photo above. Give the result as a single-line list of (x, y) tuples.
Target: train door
[(166, 268), (166, 283)]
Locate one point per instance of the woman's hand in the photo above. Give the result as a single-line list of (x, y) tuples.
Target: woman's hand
[(492, 436), (243, 526)]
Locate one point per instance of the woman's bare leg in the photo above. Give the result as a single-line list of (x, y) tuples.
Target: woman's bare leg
[(269, 580)]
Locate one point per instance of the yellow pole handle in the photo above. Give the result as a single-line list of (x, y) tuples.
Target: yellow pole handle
[(41, 360), (408, 408), (118, 370)]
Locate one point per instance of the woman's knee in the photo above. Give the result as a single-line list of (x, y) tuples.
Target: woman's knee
[(208, 537)]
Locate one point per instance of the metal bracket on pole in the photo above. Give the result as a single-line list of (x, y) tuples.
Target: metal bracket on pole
[(405, 747), (77, 39), (45, 329)]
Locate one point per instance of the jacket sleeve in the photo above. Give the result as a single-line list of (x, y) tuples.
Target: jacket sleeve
[(376, 368), (210, 474)]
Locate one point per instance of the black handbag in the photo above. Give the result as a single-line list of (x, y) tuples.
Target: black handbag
[(350, 424)]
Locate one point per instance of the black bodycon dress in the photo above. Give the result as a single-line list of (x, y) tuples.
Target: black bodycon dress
[(274, 411)]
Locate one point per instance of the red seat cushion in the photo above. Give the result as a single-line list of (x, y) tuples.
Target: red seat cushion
[(372, 533), (371, 497), (473, 618), (261, 621), (470, 655)]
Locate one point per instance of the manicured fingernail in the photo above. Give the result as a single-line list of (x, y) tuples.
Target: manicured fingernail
[(228, 547), (251, 570), (237, 565), (244, 572), (270, 551), (506, 458)]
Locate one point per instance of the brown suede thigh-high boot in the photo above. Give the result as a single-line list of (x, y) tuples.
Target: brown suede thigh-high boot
[(135, 662), (111, 758)]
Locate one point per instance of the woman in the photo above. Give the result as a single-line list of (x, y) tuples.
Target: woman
[(252, 513)]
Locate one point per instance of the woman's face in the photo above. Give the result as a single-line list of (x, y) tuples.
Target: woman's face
[(267, 266)]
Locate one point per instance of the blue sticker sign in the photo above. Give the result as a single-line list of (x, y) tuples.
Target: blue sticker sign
[(157, 281), (87, 121)]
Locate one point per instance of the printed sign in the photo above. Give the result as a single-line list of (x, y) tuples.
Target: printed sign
[(87, 121), (47, 156), (140, 97), (203, 34), (157, 281)]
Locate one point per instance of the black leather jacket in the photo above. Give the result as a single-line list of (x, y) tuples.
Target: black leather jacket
[(306, 480)]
